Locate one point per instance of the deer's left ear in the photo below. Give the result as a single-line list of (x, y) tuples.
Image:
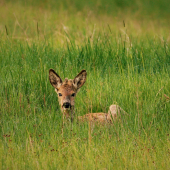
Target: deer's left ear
[(80, 79)]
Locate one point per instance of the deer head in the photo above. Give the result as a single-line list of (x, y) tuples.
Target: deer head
[(67, 90)]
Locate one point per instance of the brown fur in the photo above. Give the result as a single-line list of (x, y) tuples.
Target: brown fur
[(113, 112)]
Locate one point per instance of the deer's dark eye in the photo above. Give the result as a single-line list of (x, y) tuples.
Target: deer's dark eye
[(73, 94), (59, 94)]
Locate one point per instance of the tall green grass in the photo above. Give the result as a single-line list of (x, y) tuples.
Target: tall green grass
[(136, 78), (127, 63)]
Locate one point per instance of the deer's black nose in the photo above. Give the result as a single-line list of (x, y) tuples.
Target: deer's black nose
[(67, 105)]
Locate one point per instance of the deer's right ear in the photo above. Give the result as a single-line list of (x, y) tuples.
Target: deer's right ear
[(55, 79)]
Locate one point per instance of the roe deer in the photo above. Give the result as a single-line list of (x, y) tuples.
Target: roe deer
[(67, 90)]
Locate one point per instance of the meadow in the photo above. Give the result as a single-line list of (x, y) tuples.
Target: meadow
[(125, 49)]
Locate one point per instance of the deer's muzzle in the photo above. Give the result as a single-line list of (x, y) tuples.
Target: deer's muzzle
[(66, 105)]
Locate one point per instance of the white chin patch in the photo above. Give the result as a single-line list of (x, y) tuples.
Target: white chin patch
[(66, 108)]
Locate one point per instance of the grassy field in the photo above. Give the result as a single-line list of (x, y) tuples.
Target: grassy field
[(125, 48)]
